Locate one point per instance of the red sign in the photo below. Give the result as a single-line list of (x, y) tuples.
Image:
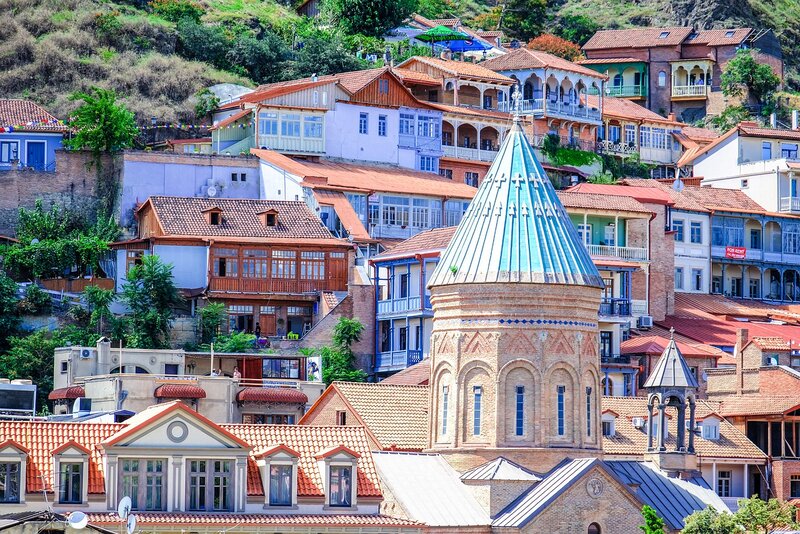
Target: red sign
[(736, 253)]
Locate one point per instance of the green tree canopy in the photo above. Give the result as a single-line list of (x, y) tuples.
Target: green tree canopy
[(523, 19), (368, 16), (745, 72), (653, 524), (9, 314), (338, 361), (323, 55), (150, 295), (101, 124), (754, 516)]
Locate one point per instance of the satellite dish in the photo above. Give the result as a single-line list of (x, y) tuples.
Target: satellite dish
[(124, 507), (78, 520), (130, 526), (678, 185), (211, 191)]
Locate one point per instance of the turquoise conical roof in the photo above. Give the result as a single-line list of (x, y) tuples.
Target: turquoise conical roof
[(515, 229)]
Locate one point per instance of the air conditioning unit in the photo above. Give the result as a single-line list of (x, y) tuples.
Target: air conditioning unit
[(645, 321), (638, 422), (87, 353), (82, 405)]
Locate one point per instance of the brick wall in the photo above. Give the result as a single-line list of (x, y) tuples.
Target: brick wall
[(460, 166), (72, 184), (782, 472)]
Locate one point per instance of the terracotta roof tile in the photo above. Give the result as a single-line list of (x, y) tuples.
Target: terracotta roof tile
[(771, 343), (621, 108), (699, 134), (71, 392), (413, 76), (239, 115), (418, 374), (16, 112), (722, 333), (655, 345), (451, 22), (459, 68), (184, 216), (524, 58), (609, 60), (629, 440), (642, 194), (755, 405), (721, 37), (475, 112), (434, 240), (681, 201), (282, 395), (579, 199), (234, 520), (330, 299), (746, 129), (179, 391), (308, 441), (334, 175), (637, 38)]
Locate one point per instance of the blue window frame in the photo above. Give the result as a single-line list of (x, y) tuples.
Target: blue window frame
[(696, 231), (677, 227), (477, 397), (520, 422), (382, 125), (561, 390), (766, 150), (268, 123), (363, 122)]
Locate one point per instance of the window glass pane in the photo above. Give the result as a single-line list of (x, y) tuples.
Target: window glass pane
[(9, 482), (154, 480), (340, 485), (280, 485), (197, 484), (312, 127), (290, 125), (71, 481), (130, 481), (268, 123)]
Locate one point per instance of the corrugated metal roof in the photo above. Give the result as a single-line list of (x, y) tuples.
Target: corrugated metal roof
[(535, 500), (500, 469), (516, 229), (672, 498), (671, 370), (429, 490)]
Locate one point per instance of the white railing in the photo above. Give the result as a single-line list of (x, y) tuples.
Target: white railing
[(534, 105), (572, 110), (398, 305), (293, 144), (790, 203), (689, 90), (618, 147), (474, 154), (625, 90), (625, 253)]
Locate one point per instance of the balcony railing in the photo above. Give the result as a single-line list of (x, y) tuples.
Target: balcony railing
[(537, 141), (396, 359), (534, 105), (626, 90), (790, 204), (615, 358), (625, 253), (615, 307), (474, 154), (391, 306), (689, 90), (561, 108), (274, 285), (617, 147)]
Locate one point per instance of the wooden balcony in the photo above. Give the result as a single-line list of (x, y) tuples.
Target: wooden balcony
[(223, 284), (690, 92), (624, 253)]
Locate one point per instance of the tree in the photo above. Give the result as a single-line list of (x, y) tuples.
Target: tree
[(575, 28), (730, 117), (99, 301), (203, 43), (557, 46), (745, 72), (337, 361), (206, 103), (210, 319), (710, 521), (435, 9), (523, 19), (150, 294), (260, 58), (177, 10), (324, 56), (758, 516), (368, 16), (31, 358), (9, 315), (653, 524)]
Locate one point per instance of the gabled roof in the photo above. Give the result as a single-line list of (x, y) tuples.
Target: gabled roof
[(501, 469), (755, 405), (525, 58), (26, 116), (744, 129), (183, 216), (595, 201), (671, 370), (649, 195), (463, 69), (622, 108), (395, 416), (652, 345), (631, 442), (695, 198), (433, 240), (515, 229), (771, 343), (418, 374), (638, 38)]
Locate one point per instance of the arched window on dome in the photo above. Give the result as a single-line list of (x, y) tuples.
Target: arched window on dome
[(594, 528)]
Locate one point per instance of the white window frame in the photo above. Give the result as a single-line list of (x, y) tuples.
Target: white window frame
[(279, 458), (71, 455)]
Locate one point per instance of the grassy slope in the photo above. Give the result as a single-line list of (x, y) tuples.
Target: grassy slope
[(50, 48)]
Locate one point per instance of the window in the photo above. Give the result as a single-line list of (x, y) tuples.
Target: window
[(789, 150), (608, 427), (610, 235), (585, 233), (403, 285), (454, 211), (795, 486), (290, 125), (445, 402), (64, 367), (341, 483), (312, 265), (226, 262), (402, 334), (383, 86), (147, 496), (280, 367), (663, 35), (710, 430), (9, 482), (677, 228), (284, 264), (427, 163), (242, 176), (268, 124), (744, 183), (254, 263), (477, 398), (70, 483), (662, 79), (312, 127), (724, 483), (341, 418), (382, 125), (446, 173), (272, 219), (133, 257), (471, 178), (730, 33), (406, 124), (588, 411), (561, 392), (280, 485), (697, 279), (766, 150), (234, 177), (9, 151), (214, 496), (520, 409), (363, 123), (267, 419), (427, 127), (594, 528), (678, 278), (696, 232), (727, 232)]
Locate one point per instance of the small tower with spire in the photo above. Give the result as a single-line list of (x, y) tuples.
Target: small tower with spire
[(671, 385)]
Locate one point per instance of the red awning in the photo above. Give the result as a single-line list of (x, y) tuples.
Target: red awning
[(72, 392), (282, 395), (179, 391)]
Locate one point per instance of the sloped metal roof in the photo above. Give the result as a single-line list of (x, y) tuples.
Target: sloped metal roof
[(516, 229), (500, 469), (671, 370)]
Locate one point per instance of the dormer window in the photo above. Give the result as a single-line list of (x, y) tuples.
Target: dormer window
[(710, 428), (609, 422), (341, 485), (72, 468), (269, 217), (13, 460), (213, 216), (279, 470), (280, 484), (339, 467)]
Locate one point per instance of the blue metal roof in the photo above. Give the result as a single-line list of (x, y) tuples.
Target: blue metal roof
[(515, 229)]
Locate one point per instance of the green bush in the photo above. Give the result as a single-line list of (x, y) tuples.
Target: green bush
[(36, 301), (177, 10)]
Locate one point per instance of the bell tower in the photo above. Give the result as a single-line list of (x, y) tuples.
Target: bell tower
[(514, 349)]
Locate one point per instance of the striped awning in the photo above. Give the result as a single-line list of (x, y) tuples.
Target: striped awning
[(279, 395), (68, 393), (179, 391)]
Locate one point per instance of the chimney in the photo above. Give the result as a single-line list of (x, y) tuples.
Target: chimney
[(741, 341), (671, 117), (773, 120), (795, 119), (103, 356)]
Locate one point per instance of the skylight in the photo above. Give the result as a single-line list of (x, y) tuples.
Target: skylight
[(663, 35), (730, 33)]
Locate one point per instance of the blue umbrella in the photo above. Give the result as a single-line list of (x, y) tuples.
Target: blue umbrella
[(469, 45)]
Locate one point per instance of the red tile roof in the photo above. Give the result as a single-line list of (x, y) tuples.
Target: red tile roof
[(413, 76), (771, 343), (647, 195), (179, 391), (340, 176), (277, 395), (344, 210), (609, 60), (621, 108), (239, 115), (637, 38), (722, 333), (744, 129), (694, 198), (597, 201), (418, 374), (524, 58), (655, 345), (755, 405), (27, 116), (210, 521), (184, 216), (459, 69), (699, 134), (71, 392), (434, 240), (475, 112), (720, 37)]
